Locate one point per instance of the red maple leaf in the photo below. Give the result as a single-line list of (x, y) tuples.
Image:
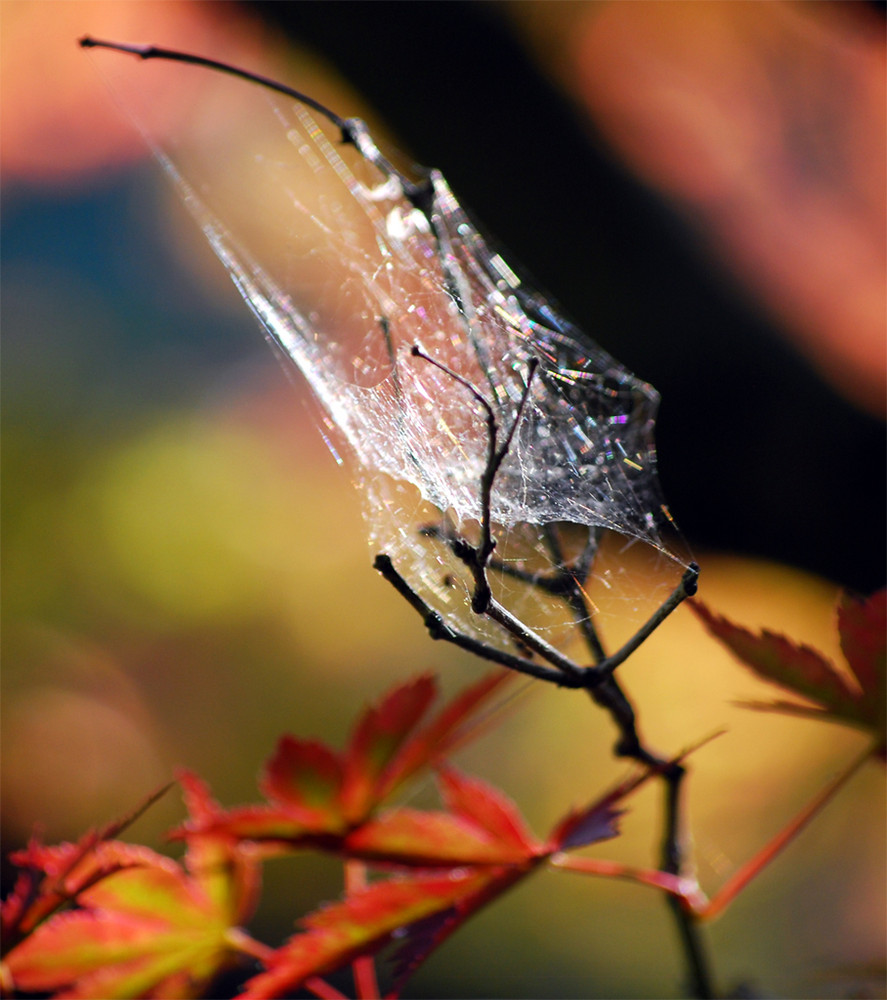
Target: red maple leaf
[(317, 796), (855, 697), (479, 847), (141, 924), (50, 877)]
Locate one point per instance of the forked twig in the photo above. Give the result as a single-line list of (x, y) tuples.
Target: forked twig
[(495, 457), (567, 582), (598, 679), (438, 629)]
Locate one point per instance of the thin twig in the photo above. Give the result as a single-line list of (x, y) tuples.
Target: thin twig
[(352, 130), (599, 679), (569, 583), (673, 862), (438, 629), (686, 588)]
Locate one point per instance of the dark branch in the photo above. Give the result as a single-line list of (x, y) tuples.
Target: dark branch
[(438, 629), (173, 55), (352, 130), (686, 588)]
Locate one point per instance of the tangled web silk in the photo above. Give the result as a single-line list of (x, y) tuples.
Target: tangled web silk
[(369, 267)]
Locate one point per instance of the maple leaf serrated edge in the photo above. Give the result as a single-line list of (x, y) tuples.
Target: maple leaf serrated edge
[(854, 698)]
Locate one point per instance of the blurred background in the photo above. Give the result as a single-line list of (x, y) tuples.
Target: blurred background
[(701, 187)]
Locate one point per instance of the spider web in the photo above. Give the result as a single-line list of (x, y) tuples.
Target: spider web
[(347, 276)]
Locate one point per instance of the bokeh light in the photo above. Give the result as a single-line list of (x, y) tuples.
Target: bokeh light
[(763, 124)]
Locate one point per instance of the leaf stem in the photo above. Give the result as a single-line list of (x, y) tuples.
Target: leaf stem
[(321, 988), (237, 939), (740, 879), (366, 983), (682, 888)]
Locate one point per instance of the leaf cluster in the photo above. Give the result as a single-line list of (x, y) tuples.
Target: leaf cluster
[(105, 918), (102, 917)]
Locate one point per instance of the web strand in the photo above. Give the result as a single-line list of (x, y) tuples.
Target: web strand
[(508, 424)]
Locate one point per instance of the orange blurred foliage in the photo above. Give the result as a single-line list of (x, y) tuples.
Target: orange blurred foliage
[(764, 123), (54, 131)]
